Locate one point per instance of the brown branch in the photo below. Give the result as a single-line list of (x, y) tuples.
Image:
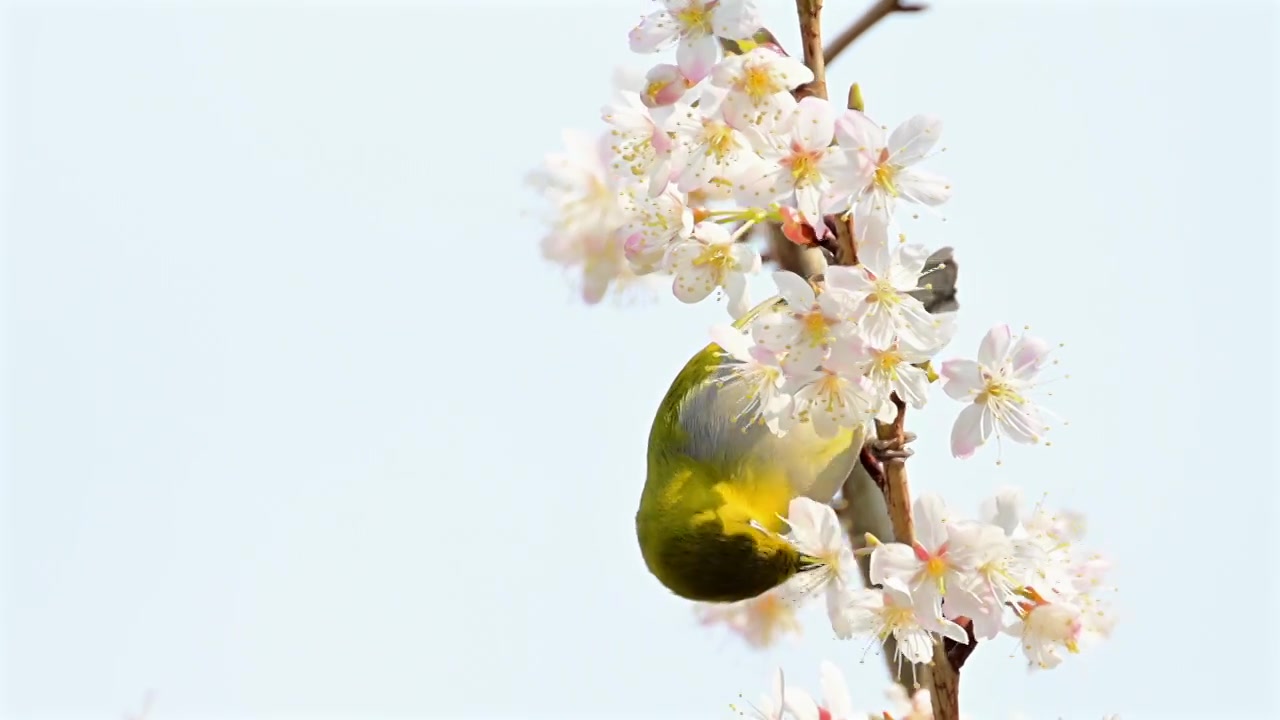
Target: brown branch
[(881, 10), (811, 42), (944, 677), (897, 493)]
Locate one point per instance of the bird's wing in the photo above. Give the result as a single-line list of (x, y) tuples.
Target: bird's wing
[(717, 429)]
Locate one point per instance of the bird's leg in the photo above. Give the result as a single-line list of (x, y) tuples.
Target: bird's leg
[(886, 450), (877, 452)]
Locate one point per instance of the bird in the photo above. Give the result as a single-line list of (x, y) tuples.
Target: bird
[(718, 484)]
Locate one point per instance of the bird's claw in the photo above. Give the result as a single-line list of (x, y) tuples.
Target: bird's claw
[(893, 449)]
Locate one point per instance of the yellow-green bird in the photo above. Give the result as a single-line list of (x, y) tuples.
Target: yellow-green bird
[(715, 479)]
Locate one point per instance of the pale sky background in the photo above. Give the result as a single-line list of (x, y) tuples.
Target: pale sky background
[(299, 424)]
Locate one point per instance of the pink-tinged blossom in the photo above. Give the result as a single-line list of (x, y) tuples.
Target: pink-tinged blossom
[(693, 26), (800, 167), (998, 386), (893, 175)]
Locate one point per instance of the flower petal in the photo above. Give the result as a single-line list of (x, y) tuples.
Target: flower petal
[(964, 378), (835, 692), (696, 56), (795, 290), (995, 347), (736, 20), (801, 705), (1020, 423), (738, 344), (973, 426), (655, 32), (813, 123), (711, 233), (893, 561), (855, 131), (923, 187), (735, 290), (931, 521), (1028, 356), (913, 139)]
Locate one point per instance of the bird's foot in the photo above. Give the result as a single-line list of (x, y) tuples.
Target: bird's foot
[(892, 449)]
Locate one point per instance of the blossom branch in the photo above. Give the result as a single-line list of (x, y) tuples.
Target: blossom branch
[(944, 677), (876, 13), (897, 493), (811, 43)]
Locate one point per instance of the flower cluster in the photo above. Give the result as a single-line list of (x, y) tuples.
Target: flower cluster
[(785, 700), (836, 703), (718, 141), (1012, 573)]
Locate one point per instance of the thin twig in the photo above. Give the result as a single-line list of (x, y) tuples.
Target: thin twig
[(811, 42), (873, 15)]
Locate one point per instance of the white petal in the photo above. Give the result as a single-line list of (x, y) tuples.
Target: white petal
[(856, 131), (923, 187), (813, 123), (795, 290), (692, 283), (913, 139), (809, 203), (973, 426), (801, 705), (911, 260), (964, 378), (930, 516), (736, 20), (948, 629), (912, 385), (851, 279), (735, 290), (835, 692), (804, 517), (655, 32), (791, 71), (738, 344), (711, 233), (746, 258), (1006, 509), (1028, 355), (914, 644), (1020, 423), (995, 347), (893, 561)]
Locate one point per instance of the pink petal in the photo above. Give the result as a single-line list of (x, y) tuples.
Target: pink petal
[(1028, 356), (855, 130), (995, 347), (964, 377), (696, 57), (663, 85), (973, 426)]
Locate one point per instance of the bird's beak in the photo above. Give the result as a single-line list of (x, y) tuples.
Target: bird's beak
[(808, 562)]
